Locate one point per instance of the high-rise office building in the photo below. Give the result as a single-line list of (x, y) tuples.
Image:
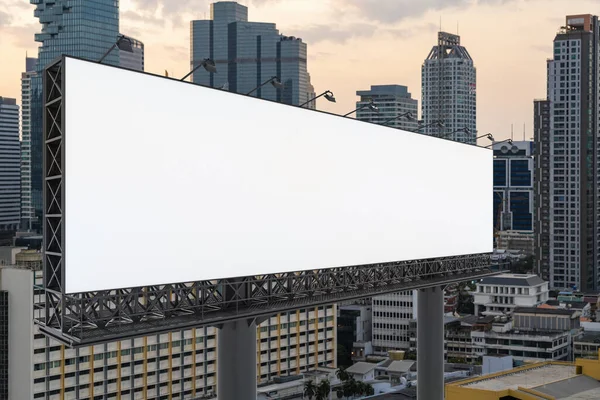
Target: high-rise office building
[(448, 82), (135, 59), (248, 54), (392, 314), (391, 101), (85, 29), (541, 187), (176, 365), (513, 187), (572, 147), (27, 213), (10, 169)]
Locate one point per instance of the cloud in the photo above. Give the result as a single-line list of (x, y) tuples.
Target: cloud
[(320, 32), (172, 8), (543, 48), (5, 19), (20, 36), (143, 17), (391, 11)]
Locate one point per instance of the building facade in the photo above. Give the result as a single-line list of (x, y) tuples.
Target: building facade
[(248, 54), (541, 132), (84, 29), (392, 314), (174, 365), (135, 59), (500, 294), (448, 83), (354, 331), (392, 101), (27, 212), (10, 169), (573, 146), (513, 188)]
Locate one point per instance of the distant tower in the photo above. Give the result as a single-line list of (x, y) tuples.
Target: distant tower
[(133, 60), (392, 101), (27, 211), (448, 82), (247, 54), (10, 170)]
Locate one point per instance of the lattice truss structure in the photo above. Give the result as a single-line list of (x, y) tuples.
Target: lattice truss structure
[(94, 317)]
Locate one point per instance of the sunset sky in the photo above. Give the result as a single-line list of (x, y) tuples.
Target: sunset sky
[(353, 44)]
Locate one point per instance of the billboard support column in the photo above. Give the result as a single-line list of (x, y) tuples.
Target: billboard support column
[(236, 360), (430, 343)]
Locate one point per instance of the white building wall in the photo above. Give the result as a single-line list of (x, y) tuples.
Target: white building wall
[(391, 316)]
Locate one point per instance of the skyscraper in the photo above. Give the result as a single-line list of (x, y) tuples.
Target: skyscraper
[(541, 187), (392, 101), (27, 213), (572, 168), (448, 82), (248, 54), (84, 29), (10, 169), (134, 60)]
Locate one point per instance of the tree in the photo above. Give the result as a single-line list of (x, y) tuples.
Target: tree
[(342, 374), (370, 391), (339, 393), (310, 389), (349, 387), (323, 390)]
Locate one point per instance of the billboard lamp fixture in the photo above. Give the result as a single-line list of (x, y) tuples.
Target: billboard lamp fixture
[(207, 64), (370, 104), (328, 95), (408, 116), (489, 136), (123, 43), (438, 124), (273, 81)]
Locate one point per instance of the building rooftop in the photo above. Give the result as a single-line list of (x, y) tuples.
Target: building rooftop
[(591, 337), (527, 377), (400, 366), (546, 311), (361, 368), (513, 280)]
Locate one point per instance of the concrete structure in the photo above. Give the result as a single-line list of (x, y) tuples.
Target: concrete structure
[(73, 30), (392, 101), (133, 60), (448, 82), (513, 189), (547, 380), (180, 365), (542, 182), (494, 364), (586, 345), (248, 54), (27, 213), (502, 293), (569, 237), (10, 169), (430, 343), (392, 314)]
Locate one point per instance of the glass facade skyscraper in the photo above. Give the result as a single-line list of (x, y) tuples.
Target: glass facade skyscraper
[(27, 213), (10, 169), (247, 54), (448, 82), (80, 28), (134, 60)]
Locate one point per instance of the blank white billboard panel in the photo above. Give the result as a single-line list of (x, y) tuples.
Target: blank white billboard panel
[(169, 182)]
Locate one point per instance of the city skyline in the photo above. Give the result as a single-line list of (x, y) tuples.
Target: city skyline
[(492, 30)]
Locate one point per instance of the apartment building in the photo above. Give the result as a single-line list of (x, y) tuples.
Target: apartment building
[(503, 293)]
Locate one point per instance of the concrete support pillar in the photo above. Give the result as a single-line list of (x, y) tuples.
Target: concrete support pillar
[(430, 344), (236, 360)]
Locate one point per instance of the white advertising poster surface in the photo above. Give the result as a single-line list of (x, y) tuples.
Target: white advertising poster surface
[(169, 182)]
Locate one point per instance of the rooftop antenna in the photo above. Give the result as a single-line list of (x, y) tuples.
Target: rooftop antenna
[(511, 132), (440, 23), (523, 131), (457, 30)]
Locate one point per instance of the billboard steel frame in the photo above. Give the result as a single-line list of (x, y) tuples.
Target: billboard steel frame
[(95, 317)]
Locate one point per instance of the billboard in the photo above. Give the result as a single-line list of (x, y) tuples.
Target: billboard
[(167, 182)]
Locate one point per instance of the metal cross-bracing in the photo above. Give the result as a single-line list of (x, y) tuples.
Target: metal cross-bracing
[(86, 318), (102, 316)]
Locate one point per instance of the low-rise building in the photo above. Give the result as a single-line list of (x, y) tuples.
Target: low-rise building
[(520, 241), (500, 294), (545, 380), (362, 371)]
